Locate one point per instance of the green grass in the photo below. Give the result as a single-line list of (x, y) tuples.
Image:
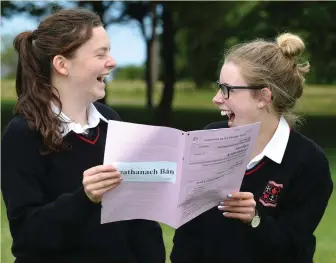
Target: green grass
[(316, 99), (326, 231), (325, 251), (6, 239), (193, 110)]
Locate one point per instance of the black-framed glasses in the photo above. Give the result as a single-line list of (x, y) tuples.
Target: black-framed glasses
[(225, 88)]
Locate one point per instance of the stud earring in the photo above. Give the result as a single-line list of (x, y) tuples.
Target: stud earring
[(259, 106)]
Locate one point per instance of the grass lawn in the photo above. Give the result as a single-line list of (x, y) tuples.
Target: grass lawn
[(326, 231), (193, 110), (316, 99)]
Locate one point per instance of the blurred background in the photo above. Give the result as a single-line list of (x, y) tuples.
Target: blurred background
[(169, 56)]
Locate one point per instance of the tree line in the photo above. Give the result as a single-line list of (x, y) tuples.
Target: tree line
[(187, 40)]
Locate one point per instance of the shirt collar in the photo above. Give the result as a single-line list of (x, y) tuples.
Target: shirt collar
[(275, 149), (94, 117)]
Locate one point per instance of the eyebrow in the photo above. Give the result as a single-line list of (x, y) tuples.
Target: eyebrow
[(104, 49)]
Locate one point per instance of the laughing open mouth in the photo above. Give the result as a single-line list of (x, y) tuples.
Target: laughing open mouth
[(229, 114), (101, 78)]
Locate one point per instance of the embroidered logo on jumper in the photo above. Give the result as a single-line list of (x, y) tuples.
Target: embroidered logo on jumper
[(270, 195)]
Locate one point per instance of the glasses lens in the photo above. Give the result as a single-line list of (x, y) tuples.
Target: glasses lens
[(225, 91)]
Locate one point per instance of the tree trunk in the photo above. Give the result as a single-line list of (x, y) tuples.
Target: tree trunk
[(151, 58), (165, 106), (149, 83)]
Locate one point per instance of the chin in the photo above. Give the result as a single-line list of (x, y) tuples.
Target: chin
[(95, 98), (99, 94)]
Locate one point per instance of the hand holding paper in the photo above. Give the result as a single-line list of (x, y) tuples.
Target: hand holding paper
[(100, 179), (173, 175), (240, 205)]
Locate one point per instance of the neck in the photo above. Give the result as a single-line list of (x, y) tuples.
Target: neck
[(268, 126), (75, 111), (73, 106)]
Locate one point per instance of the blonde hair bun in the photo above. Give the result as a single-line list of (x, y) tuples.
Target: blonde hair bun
[(291, 45)]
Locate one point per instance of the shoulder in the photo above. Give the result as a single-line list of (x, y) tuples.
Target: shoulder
[(313, 176), (17, 125), (216, 125), (18, 134), (107, 111), (307, 149), (313, 159)]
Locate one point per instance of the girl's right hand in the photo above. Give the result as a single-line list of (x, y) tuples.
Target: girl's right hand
[(100, 179)]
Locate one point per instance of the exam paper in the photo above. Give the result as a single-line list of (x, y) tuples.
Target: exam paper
[(172, 176)]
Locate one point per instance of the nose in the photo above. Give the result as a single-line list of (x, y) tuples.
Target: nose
[(111, 63), (218, 99)]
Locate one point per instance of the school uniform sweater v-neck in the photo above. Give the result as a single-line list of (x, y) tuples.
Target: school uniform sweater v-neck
[(291, 198), (50, 217)]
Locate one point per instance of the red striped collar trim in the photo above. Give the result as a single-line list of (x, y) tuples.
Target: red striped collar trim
[(253, 170), (87, 140)]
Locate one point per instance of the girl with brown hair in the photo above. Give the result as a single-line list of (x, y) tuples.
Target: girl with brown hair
[(52, 173)]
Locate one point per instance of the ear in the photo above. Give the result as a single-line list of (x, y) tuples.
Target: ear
[(265, 98), (60, 65)]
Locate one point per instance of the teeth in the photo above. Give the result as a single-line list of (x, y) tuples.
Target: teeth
[(102, 77), (226, 112)]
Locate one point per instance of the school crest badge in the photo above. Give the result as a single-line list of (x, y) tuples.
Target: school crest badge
[(270, 195)]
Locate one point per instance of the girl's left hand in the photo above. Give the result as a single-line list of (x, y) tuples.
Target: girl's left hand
[(240, 205)]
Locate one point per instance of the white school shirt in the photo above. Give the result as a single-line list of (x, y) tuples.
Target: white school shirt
[(275, 149), (94, 117)]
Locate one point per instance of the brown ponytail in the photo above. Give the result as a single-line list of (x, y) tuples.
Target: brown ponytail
[(35, 93), (59, 34)]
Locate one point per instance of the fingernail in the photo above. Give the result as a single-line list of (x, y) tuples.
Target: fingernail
[(220, 207), (224, 213), (221, 203), (229, 196)]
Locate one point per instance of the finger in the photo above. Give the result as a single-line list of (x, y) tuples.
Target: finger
[(100, 177), (98, 169), (101, 191), (241, 216), (240, 195), (102, 184), (233, 209), (246, 203)]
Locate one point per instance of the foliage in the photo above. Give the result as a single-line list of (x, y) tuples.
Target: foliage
[(8, 58), (202, 31), (129, 73)]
